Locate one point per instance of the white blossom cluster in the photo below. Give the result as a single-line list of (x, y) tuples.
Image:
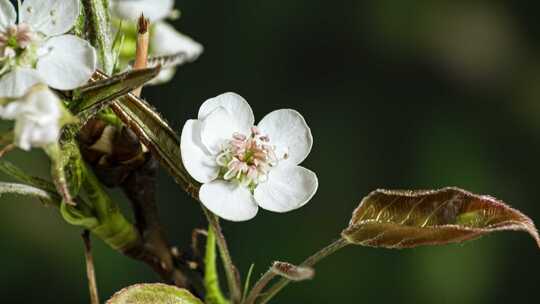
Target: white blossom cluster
[(242, 166)]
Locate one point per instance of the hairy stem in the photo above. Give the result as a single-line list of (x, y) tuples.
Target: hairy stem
[(259, 286), (233, 277), (98, 25), (309, 262)]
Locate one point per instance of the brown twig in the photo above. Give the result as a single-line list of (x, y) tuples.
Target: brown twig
[(140, 188), (90, 270)]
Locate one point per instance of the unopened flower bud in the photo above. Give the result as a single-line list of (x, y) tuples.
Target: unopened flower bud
[(293, 272)]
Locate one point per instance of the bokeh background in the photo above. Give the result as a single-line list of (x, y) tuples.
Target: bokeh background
[(399, 94)]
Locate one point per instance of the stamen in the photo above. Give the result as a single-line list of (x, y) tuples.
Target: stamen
[(239, 137), (247, 159), (17, 37)]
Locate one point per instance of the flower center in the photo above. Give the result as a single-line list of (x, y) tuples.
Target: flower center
[(15, 39), (247, 159)]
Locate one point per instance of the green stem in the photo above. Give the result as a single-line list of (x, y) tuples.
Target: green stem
[(309, 262), (233, 277), (114, 229), (99, 23), (101, 201), (211, 279)]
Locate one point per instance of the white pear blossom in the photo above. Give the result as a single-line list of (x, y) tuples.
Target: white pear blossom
[(36, 49), (165, 40), (37, 117), (242, 166)]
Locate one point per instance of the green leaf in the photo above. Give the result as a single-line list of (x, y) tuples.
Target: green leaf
[(104, 90), (405, 219), (152, 294)]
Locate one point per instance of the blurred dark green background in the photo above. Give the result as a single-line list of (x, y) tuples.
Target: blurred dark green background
[(399, 94)]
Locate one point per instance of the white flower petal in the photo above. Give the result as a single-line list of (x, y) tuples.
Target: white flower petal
[(50, 17), (11, 110), (37, 117), (228, 200), (18, 81), (218, 128), (287, 188), (166, 40), (152, 9), (8, 15), (28, 134), (289, 132), (200, 164), (235, 105), (68, 62)]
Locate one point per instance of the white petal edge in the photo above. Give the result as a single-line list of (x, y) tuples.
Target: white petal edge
[(67, 62), (235, 105), (288, 188), (165, 75), (166, 40), (228, 200), (218, 128), (289, 132), (199, 163), (50, 17), (154, 10), (8, 15), (18, 81)]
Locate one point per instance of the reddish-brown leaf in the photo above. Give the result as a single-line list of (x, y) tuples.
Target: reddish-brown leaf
[(405, 219)]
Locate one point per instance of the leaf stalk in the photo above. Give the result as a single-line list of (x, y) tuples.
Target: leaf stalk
[(278, 286)]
